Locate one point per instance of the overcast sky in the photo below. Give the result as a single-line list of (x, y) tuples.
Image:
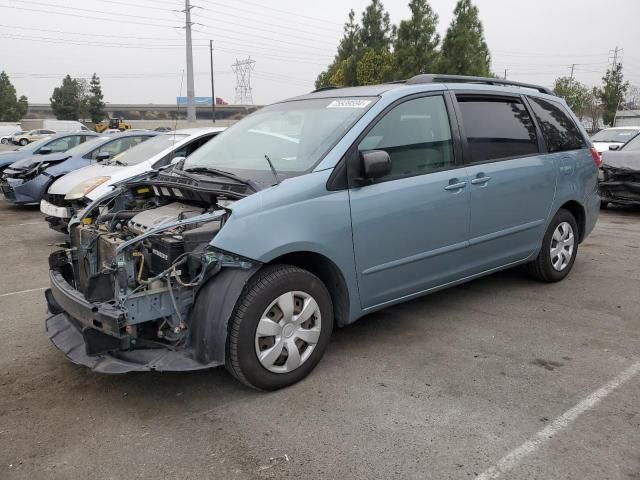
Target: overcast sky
[(139, 53)]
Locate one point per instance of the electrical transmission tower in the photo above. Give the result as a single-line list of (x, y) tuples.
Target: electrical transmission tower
[(242, 69)]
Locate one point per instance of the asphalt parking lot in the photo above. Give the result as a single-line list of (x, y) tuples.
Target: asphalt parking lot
[(454, 385)]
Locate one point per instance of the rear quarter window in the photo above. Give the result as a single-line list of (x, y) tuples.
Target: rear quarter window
[(558, 129)]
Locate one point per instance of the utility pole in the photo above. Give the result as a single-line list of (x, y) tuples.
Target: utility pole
[(191, 107), (213, 92), (505, 73), (614, 69), (573, 65)]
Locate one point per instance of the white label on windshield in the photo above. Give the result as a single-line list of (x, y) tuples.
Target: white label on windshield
[(349, 103)]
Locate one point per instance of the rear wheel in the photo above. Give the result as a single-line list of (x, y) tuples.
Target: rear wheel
[(4, 141), (604, 205), (23, 142), (280, 329), (559, 249)]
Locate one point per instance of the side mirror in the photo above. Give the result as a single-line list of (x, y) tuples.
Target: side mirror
[(102, 156), (375, 164), (614, 147), (45, 151)]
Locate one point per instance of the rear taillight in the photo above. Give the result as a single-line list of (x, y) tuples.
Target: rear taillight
[(597, 159)]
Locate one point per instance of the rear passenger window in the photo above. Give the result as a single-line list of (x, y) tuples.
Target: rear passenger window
[(416, 135), (559, 131), (497, 128)]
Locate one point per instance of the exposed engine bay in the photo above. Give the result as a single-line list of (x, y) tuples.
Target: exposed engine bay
[(134, 265), (619, 180)]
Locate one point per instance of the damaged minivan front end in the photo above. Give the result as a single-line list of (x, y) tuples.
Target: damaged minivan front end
[(123, 293)]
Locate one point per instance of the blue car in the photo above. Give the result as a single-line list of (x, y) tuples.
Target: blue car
[(27, 181), (45, 146), (315, 211)]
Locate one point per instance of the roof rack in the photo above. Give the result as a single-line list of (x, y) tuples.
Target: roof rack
[(434, 78)]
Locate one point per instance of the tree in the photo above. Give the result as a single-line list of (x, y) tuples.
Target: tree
[(464, 50), (376, 32), (12, 108), (612, 93), (577, 95), (416, 41), (68, 101), (95, 100), (342, 71), (375, 67), (594, 109)]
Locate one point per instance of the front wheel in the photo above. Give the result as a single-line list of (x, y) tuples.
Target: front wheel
[(4, 141), (23, 142), (280, 329), (559, 249)]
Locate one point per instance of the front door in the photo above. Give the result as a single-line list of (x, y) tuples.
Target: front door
[(512, 183), (410, 228)]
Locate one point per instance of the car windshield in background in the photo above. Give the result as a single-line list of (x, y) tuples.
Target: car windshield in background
[(294, 135), (614, 136), (30, 147), (87, 146), (633, 145), (149, 149)]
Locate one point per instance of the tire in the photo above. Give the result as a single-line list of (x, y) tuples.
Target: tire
[(604, 205), (4, 141), (261, 297), (542, 268), (23, 142)]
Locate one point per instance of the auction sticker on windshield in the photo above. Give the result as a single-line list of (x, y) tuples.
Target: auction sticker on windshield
[(349, 103)]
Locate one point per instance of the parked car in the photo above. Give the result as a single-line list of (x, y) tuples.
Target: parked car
[(314, 212), (163, 129), (620, 174), (5, 139), (30, 177), (613, 136), (48, 145), (73, 191), (31, 136)]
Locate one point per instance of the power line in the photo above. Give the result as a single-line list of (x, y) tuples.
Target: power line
[(284, 12)]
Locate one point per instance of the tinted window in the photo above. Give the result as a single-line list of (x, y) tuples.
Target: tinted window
[(416, 135), (559, 131), (497, 128)]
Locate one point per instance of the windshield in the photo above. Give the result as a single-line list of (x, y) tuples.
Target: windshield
[(614, 136), (633, 145), (149, 149), (84, 147), (294, 135), (30, 147)]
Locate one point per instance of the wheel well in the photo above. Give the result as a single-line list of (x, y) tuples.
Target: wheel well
[(577, 211), (329, 273)]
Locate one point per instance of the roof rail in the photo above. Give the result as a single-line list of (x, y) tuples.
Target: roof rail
[(328, 87), (435, 78)]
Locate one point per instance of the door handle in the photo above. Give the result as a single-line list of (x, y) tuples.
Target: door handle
[(455, 186), (480, 180)]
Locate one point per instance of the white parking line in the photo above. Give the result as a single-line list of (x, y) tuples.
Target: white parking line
[(512, 459), (23, 291)]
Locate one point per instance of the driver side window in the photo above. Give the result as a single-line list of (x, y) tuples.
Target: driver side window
[(417, 136)]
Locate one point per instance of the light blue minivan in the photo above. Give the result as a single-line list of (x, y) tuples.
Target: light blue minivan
[(315, 211)]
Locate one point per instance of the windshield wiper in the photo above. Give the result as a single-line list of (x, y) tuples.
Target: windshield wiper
[(220, 173), (273, 169)]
